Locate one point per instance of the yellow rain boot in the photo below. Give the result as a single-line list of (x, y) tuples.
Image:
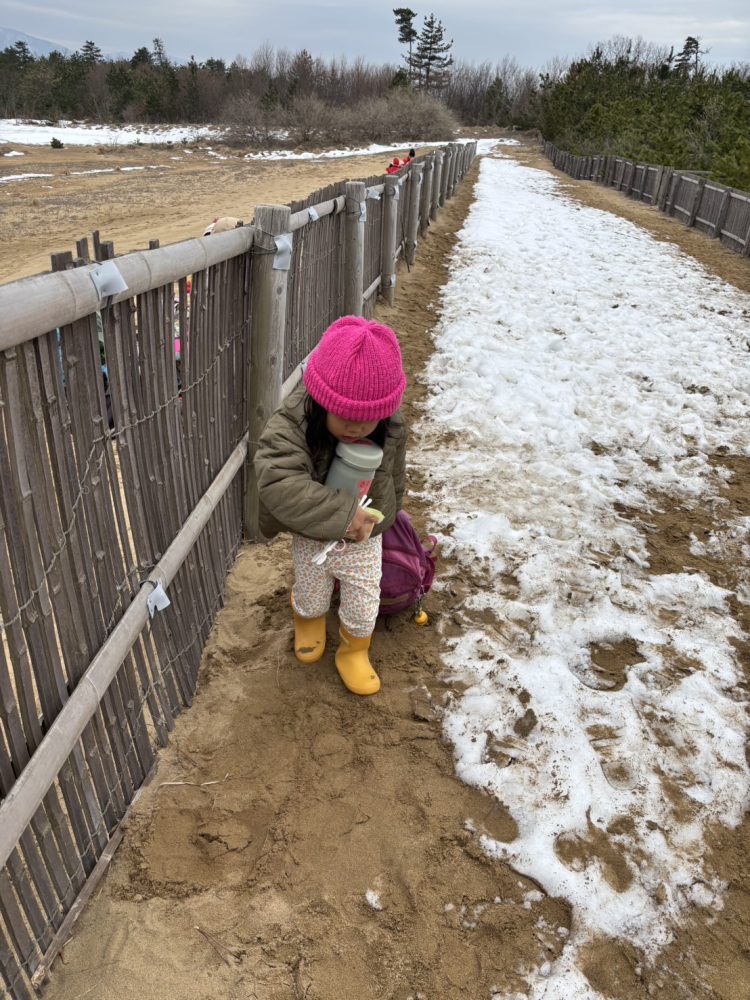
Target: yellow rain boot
[(353, 664), (309, 637)]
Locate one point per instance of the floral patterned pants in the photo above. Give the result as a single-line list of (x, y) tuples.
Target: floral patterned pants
[(357, 566)]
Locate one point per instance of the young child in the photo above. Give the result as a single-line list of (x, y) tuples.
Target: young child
[(352, 388)]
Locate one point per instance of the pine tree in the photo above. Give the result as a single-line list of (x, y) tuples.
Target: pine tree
[(14, 63), (688, 61), (91, 53), (160, 57), (496, 103), (141, 57), (407, 33), (192, 92), (120, 86), (21, 54), (432, 57), (216, 66)]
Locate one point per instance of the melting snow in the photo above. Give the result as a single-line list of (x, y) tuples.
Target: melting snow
[(568, 350)]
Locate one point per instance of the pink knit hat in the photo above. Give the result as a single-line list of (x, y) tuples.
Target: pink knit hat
[(355, 372)]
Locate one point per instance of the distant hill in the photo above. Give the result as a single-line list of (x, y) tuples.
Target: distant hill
[(38, 46)]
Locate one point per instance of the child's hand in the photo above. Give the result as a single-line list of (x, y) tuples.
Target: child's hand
[(362, 525)]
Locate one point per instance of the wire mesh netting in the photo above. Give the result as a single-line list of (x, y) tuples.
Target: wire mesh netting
[(111, 429), (316, 278), (373, 237)]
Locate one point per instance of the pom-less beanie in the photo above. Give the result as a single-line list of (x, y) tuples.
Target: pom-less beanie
[(355, 372)]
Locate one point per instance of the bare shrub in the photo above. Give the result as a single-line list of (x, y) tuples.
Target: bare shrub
[(415, 116), (310, 121), (366, 122), (401, 116), (248, 122)]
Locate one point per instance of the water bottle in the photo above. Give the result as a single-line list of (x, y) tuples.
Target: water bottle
[(353, 467)]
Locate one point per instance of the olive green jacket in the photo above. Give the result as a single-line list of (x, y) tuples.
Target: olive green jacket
[(290, 485)]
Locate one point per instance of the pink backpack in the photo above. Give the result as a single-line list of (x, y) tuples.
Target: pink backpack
[(408, 566)]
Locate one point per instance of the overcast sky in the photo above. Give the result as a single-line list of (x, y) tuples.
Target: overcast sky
[(532, 31)]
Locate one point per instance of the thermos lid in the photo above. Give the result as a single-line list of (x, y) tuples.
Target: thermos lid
[(365, 455)]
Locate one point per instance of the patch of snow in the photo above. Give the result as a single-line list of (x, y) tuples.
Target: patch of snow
[(373, 899), (40, 133), (568, 344), (21, 177)]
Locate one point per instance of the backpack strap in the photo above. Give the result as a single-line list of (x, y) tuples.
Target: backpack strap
[(430, 538)]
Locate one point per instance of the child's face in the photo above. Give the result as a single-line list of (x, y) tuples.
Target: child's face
[(349, 430)]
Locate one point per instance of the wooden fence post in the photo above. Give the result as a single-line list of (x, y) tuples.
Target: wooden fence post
[(437, 182), (664, 186), (696, 201), (454, 169), (412, 220), (631, 178), (644, 178), (266, 375), (450, 156), (447, 156), (746, 245), (723, 209), (456, 176), (657, 184), (391, 192), (425, 202), (464, 161), (450, 172), (354, 247)]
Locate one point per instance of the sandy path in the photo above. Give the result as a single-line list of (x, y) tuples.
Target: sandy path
[(282, 800)]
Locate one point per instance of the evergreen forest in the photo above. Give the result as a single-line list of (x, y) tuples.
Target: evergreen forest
[(625, 97)]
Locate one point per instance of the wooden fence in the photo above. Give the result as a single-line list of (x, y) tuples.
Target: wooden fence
[(127, 423), (720, 212)]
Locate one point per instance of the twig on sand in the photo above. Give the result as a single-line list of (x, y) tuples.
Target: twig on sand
[(181, 753), (220, 948), (89, 990), (301, 988), (197, 784)]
